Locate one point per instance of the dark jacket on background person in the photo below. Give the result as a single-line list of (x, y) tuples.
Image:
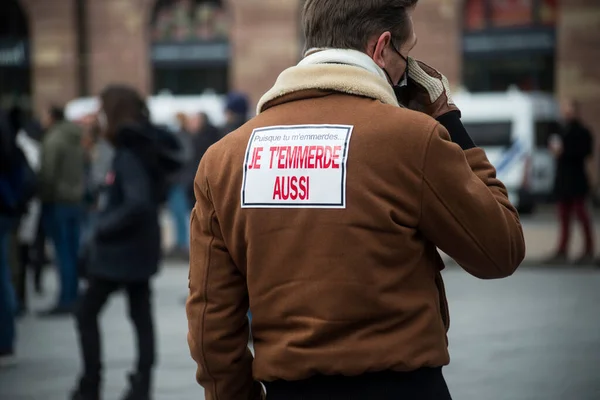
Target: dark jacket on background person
[(339, 291), (127, 233), (201, 141), (186, 140), (127, 236), (17, 178), (7, 143), (34, 130), (62, 172), (571, 180)]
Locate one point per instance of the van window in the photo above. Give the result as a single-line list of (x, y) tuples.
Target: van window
[(544, 130), (490, 133)]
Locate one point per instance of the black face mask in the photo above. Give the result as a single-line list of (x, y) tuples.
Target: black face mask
[(399, 87)]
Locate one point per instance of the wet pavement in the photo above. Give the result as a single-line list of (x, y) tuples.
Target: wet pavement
[(535, 336)]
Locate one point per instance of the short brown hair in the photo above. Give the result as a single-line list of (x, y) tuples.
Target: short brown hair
[(349, 24)]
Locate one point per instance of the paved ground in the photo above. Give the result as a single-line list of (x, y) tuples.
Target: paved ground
[(535, 336), (541, 234)]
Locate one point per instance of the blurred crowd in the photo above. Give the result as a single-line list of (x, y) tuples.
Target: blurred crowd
[(95, 188)]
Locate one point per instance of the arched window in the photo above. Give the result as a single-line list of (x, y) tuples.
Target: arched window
[(509, 43), (190, 46), (15, 71)]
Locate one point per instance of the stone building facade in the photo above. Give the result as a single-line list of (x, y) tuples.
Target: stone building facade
[(78, 46)]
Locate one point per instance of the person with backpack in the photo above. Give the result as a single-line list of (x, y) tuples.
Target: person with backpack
[(126, 238), (17, 187), (61, 192)]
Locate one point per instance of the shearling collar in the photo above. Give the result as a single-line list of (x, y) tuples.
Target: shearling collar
[(338, 76)]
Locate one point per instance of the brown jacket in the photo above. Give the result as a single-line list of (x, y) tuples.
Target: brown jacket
[(342, 290)]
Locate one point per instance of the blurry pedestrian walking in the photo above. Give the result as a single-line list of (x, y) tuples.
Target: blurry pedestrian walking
[(17, 187), (204, 134), (324, 214), (61, 192), (572, 147), (126, 248), (179, 206), (38, 255), (27, 234)]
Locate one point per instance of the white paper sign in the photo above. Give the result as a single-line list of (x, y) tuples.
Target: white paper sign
[(296, 166)]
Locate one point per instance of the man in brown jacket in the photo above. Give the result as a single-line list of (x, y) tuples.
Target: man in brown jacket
[(324, 213)]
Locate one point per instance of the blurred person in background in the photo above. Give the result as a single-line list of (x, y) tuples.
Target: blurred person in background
[(178, 203), (126, 247), (204, 134), (339, 262), (37, 257), (29, 140), (572, 148), (8, 300), (17, 187), (27, 233), (236, 112), (93, 182), (62, 179), (100, 152)]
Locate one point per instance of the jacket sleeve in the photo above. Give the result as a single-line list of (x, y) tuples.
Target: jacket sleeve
[(49, 166), (216, 308), (465, 209), (138, 198)]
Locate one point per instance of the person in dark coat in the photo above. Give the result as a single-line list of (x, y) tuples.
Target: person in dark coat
[(8, 220), (572, 149), (126, 244), (178, 201), (38, 257), (204, 134), (236, 112), (17, 188)]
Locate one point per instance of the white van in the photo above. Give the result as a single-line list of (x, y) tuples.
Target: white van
[(163, 108), (514, 128)]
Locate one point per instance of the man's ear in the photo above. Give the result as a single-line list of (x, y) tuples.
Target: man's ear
[(380, 46)]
